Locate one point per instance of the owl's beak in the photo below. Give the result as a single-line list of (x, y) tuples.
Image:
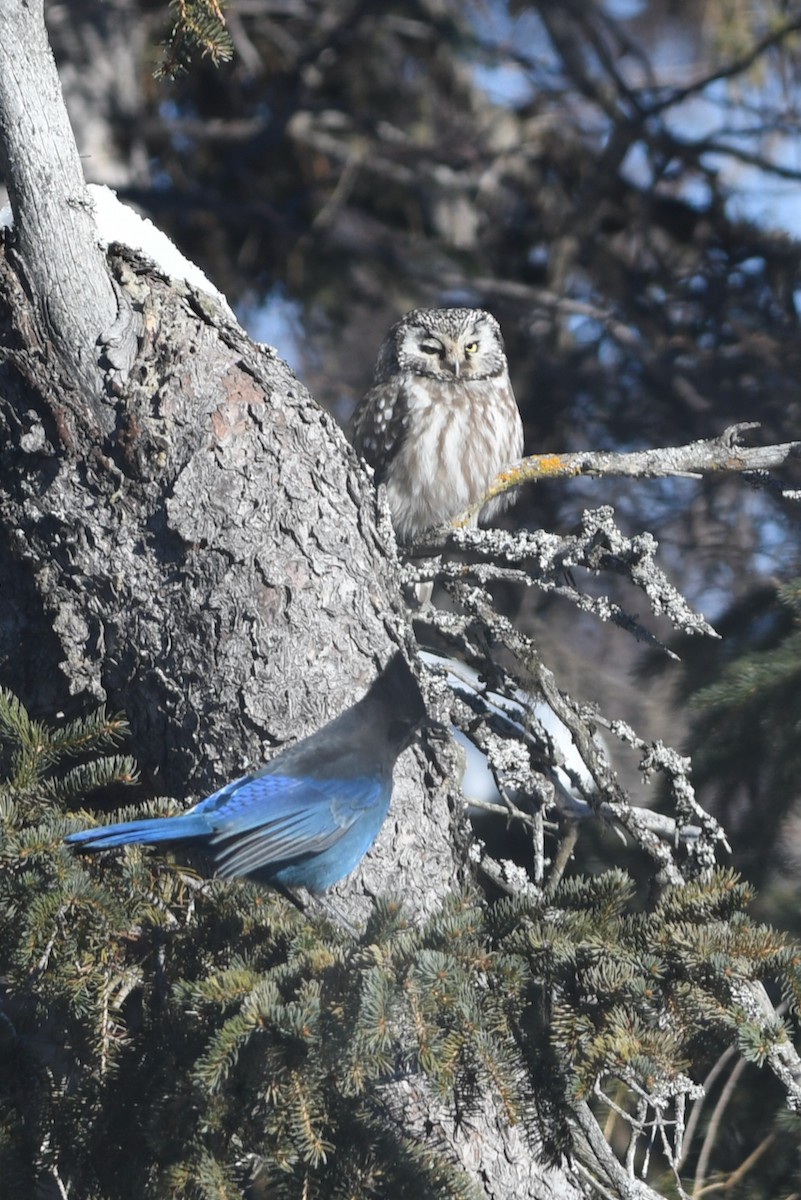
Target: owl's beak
[(454, 366)]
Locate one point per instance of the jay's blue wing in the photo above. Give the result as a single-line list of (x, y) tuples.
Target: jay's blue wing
[(272, 819)]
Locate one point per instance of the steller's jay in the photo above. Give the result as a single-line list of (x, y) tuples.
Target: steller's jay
[(310, 815)]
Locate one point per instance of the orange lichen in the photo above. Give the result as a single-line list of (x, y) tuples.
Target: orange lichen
[(549, 464)]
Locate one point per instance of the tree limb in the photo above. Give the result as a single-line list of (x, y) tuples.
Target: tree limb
[(56, 252), (711, 455)]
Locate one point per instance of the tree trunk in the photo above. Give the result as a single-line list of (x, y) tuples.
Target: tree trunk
[(213, 569), (208, 559)]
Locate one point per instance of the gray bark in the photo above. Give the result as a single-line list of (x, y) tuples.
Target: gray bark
[(214, 570), (198, 547), (54, 241)]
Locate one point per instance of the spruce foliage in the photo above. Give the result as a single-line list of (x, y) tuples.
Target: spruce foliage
[(166, 1036), (199, 28)]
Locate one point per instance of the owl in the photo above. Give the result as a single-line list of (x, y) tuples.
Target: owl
[(441, 419)]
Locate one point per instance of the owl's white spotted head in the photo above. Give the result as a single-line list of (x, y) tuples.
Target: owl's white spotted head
[(445, 344)]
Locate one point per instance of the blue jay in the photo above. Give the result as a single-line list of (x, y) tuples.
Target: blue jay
[(311, 814)]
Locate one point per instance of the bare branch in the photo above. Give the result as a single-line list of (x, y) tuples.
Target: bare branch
[(722, 454), (612, 1172), (545, 560), (736, 66)]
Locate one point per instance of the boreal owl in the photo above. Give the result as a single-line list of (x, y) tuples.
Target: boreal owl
[(441, 420)]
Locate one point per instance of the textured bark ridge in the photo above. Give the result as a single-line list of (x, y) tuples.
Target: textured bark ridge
[(212, 569)]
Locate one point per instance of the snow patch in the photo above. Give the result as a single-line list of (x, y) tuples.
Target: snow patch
[(117, 222)]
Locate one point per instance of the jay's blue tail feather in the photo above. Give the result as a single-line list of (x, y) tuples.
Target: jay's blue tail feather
[(185, 828)]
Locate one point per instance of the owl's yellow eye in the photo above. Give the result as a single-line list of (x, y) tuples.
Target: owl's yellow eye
[(471, 348)]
